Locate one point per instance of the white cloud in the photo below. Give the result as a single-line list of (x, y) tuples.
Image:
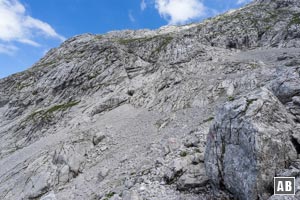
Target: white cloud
[(131, 17), (8, 49), (30, 42), (180, 11), (17, 26), (143, 5)]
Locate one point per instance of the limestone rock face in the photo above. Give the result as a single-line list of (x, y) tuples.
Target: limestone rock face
[(249, 143), (129, 114)]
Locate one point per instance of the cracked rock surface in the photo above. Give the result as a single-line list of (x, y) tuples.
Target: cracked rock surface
[(249, 143)]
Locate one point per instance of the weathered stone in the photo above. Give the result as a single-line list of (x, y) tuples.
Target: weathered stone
[(152, 95), (296, 100), (63, 176), (131, 195), (37, 185), (103, 173), (248, 144), (98, 137), (191, 141), (50, 196), (197, 158), (193, 178)]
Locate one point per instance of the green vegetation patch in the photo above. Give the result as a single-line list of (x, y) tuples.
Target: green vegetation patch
[(271, 17), (98, 37), (47, 114), (253, 65), (162, 40), (133, 40), (230, 98), (166, 40), (62, 107), (21, 86), (109, 195), (249, 102), (208, 119), (46, 64), (295, 19), (183, 154)]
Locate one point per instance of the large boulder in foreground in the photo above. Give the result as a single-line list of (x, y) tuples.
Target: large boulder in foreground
[(248, 144)]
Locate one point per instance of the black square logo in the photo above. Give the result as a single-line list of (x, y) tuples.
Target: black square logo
[(284, 186)]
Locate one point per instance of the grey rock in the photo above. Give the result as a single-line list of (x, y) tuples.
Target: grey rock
[(131, 195), (191, 141), (194, 178), (296, 100), (103, 148), (98, 137), (116, 197), (198, 158), (37, 185), (139, 104), (63, 176), (103, 173), (249, 143), (69, 156), (49, 196)]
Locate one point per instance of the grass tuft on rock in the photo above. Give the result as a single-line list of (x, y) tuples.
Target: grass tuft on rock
[(109, 195), (46, 114), (132, 40), (163, 44), (208, 119), (295, 20), (230, 98), (183, 154)]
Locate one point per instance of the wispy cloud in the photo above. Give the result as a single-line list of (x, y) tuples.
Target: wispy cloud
[(8, 49), (131, 17), (180, 11), (17, 26), (143, 5)]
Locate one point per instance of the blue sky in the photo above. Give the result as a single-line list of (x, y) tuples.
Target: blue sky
[(29, 28)]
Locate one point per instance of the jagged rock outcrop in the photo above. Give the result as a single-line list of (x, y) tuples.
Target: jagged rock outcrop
[(126, 115), (249, 143)]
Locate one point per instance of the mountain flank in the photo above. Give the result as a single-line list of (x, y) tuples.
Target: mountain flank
[(209, 110)]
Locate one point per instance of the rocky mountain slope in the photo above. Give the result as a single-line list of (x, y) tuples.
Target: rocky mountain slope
[(202, 111)]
